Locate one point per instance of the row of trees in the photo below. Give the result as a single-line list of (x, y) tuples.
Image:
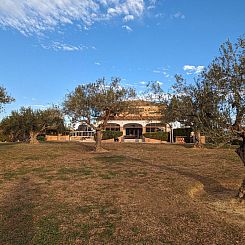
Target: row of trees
[(214, 104), (26, 124), (93, 103)]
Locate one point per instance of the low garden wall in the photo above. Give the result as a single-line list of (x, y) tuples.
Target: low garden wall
[(57, 138), (148, 140)]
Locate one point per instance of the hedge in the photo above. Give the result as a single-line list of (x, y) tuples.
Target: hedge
[(163, 136), (108, 134), (41, 138)]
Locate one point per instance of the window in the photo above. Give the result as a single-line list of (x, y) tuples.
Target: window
[(151, 129)]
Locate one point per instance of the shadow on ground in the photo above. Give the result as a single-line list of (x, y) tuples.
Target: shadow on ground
[(211, 186), (16, 215)]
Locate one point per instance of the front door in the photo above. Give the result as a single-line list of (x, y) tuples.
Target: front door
[(135, 133)]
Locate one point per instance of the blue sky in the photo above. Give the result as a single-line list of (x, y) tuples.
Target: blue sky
[(49, 47)]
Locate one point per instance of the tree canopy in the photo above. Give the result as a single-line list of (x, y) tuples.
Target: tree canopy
[(214, 103), (26, 124), (96, 102), (4, 97)]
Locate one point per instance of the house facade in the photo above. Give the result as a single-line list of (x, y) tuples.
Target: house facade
[(144, 117)]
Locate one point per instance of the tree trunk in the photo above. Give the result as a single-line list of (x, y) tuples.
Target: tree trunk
[(241, 192), (33, 138), (11, 137), (198, 139), (241, 153), (98, 140)]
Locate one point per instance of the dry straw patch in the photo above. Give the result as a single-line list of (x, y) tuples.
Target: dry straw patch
[(132, 194)]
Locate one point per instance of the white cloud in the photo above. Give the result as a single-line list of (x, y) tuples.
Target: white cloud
[(159, 15), (58, 46), (97, 63), (199, 69), (190, 69), (127, 28), (38, 16), (128, 18), (152, 4), (40, 106), (163, 71), (178, 15), (151, 7)]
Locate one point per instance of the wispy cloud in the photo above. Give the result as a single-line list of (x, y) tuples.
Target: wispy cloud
[(58, 46), (128, 18), (152, 4), (163, 71), (127, 28), (40, 106), (38, 16), (178, 15), (97, 63), (190, 69)]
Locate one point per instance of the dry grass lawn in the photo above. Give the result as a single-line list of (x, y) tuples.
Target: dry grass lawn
[(63, 193)]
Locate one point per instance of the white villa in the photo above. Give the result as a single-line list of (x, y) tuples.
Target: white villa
[(144, 118)]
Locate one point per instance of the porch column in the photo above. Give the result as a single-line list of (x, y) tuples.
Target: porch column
[(123, 130), (144, 130)]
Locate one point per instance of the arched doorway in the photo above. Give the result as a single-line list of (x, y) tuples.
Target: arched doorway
[(133, 131)]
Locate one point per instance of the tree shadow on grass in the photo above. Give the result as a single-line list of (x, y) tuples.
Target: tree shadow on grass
[(87, 147), (211, 186), (9, 145), (81, 146), (186, 145), (16, 214)]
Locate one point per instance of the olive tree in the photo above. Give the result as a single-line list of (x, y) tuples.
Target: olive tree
[(4, 97), (215, 103), (186, 104), (226, 74), (197, 105), (96, 102), (26, 124)]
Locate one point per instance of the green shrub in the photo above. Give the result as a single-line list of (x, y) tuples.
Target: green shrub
[(41, 138), (111, 134), (163, 136)]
